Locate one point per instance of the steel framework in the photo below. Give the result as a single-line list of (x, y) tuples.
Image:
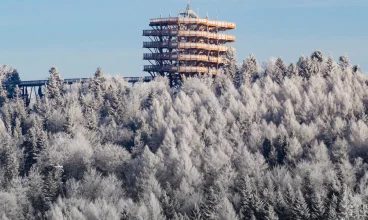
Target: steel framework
[(186, 45)]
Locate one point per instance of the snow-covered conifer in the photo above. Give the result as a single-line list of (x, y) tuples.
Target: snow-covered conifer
[(231, 67), (329, 67), (344, 62)]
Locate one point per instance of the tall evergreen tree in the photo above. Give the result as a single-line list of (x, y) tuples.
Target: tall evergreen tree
[(292, 70), (248, 71), (271, 214), (3, 95), (300, 208), (304, 67), (12, 81), (9, 163), (55, 84), (344, 62), (231, 67), (211, 203), (52, 182), (318, 56), (280, 70), (329, 68)]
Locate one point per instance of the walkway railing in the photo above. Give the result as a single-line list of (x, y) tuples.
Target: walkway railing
[(33, 83), (204, 34), (170, 45), (183, 57), (180, 69)]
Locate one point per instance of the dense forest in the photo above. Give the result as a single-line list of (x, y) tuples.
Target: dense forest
[(264, 142)]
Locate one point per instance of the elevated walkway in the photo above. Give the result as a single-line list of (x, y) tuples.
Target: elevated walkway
[(37, 83)]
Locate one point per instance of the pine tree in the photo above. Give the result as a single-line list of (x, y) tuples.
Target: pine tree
[(317, 59), (30, 150), (17, 130), (12, 81), (96, 86), (98, 74), (308, 188), (211, 203), (332, 215), (69, 124), (280, 70), (270, 213), (55, 84), (344, 203), (248, 71), (246, 196), (231, 67), (196, 213), (318, 56), (304, 67), (168, 202), (357, 69), (289, 199), (292, 70), (329, 68), (3, 95), (52, 182), (7, 119), (318, 210), (36, 195), (9, 163), (92, 120), (300, 208), (270, 152), (111, 97), (35, 142), (344, 62)]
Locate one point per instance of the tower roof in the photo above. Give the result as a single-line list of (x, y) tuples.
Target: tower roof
[(188, 13)]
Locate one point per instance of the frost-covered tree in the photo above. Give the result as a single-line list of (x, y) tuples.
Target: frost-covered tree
[(304, 67), (285, 147), (329, 67), (280, 70), (292, 70), (55, 84), (248, 71), (344, 62), (231, 67)]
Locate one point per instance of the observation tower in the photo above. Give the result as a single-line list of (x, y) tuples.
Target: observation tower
[(186, 45)]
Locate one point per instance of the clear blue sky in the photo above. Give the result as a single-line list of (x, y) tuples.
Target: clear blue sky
[(78, 36)]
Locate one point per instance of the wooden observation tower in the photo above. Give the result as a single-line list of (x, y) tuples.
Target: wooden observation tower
[(186, 45)]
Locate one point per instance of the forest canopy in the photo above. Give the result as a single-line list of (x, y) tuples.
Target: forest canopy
[(270, 141)]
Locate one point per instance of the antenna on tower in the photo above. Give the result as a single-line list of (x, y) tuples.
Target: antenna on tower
[(188, 8), (160, 13)]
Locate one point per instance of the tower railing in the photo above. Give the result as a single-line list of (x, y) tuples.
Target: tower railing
[(212, 47), (203, 34), (183, 57), (180, 69), (203, 21)]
